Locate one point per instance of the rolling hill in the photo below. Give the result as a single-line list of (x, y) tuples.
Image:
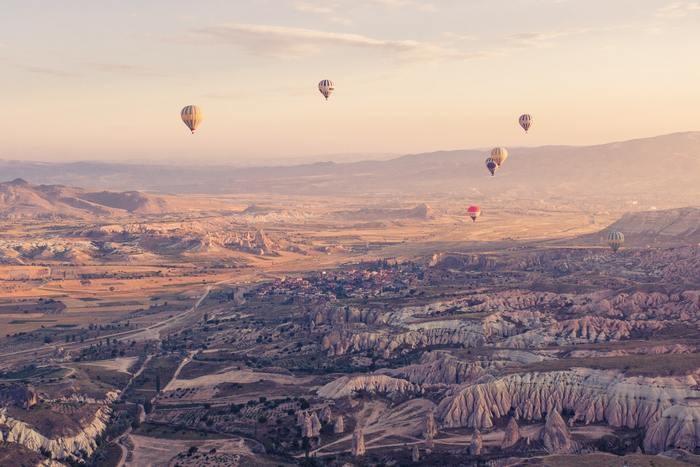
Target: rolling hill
[(670, 224), (19, 198)]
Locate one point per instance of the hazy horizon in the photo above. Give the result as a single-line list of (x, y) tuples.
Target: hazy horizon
[(300, 159), (100, 82)]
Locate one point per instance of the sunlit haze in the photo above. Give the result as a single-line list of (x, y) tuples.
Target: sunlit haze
[(85, 79)]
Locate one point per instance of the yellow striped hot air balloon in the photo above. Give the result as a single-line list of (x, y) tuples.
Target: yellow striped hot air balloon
[(499, 155), (192, 116)]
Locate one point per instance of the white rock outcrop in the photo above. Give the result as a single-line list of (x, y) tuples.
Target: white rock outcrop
[(430, 430), (415, 453), (348, 386), (309, 423), (593, 396), (442, 368), (477, 444), (385, 343), (339, 426), (678, 427), (585, 330), (511, 435), (358, 443), (62, 447), (555, 435)]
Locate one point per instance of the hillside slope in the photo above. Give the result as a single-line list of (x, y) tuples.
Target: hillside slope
[(19, 198)]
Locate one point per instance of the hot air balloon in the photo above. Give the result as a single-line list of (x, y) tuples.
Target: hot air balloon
[(192, 116), (615, 240), (525, 121), (492, 166), (326, 87), (474, 212), (499, 155)]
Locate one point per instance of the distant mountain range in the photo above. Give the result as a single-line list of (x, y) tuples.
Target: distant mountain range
[(19, 198), (663, 169)]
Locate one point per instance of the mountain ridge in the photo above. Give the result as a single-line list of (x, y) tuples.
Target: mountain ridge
[(667, 165)]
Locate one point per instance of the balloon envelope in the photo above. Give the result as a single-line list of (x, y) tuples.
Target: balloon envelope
[(192, 116), (615, 240), (525, 121), (492, 166), (499, 155), (326, 87), (474, 212)]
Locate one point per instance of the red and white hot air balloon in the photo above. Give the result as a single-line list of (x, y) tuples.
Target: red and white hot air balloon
[(474, 212)]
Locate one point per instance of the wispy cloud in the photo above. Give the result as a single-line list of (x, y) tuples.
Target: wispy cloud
[(331, 11), (319, 8), (121, 68), (542, 38), (295, 42), (40, 70), (87, 68), (679, 9), (291, 42), (336, 10), (417, 4)]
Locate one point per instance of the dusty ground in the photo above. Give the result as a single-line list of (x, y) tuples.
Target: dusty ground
[(118, 364), (158, 452)]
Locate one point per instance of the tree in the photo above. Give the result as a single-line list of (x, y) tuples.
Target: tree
[(158, 383)]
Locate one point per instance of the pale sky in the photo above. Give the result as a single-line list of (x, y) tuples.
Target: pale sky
[(105, 80)]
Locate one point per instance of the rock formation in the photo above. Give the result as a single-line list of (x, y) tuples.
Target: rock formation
[(339, 426), (678, 427), (328, 313), (310, 424), (511, 435), (588, 329), (415, 453), (315, 425), (62, 447), (476, 444), (592, 395), (430, 429), (348, 386), (18, 395), (337, 343), (442, 368), (326, 415), (358, 443), (653, 350), (555, 434)]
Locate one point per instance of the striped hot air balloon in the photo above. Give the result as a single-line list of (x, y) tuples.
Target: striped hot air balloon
[(615, 240), (474, 212), (492, 166), (525, 121), (192, 116), (499, 155), (326, 87)]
